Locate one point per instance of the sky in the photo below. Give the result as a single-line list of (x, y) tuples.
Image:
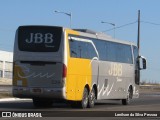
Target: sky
[(89, 14)]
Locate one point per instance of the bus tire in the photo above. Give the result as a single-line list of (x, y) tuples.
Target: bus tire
[(92, 97), (38, 102), (84, 102), (128, 99)]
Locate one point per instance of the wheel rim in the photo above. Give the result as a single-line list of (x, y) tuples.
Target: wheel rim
[(92, 97), (128, 96), (85, 99)]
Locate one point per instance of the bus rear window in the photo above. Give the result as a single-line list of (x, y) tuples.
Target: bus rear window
[(39, 38)]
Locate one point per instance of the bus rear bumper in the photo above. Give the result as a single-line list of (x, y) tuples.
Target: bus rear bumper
[(36, 92)]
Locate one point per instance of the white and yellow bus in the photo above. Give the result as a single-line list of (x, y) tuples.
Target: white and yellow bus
[(80, 66)]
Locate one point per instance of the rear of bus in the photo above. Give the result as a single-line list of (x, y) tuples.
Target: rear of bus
[(39, 69)]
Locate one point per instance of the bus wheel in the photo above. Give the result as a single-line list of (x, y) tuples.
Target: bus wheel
[(128, 99), (84, 102), (38, 102), (92, 97)]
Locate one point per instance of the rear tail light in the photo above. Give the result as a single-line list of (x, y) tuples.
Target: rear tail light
[(64, 74)]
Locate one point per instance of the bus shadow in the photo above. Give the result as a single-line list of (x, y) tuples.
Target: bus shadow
[(28, 105), (16, 105)]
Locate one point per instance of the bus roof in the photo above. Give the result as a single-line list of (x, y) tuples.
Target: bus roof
[(101, 35)]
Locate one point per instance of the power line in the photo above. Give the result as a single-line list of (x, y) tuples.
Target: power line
[(152, 23), (147, 22), (121, 26)]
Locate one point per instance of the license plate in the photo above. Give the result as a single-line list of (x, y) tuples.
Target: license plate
[(37, 90)]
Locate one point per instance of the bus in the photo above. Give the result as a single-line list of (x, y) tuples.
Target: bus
[(76, 65)]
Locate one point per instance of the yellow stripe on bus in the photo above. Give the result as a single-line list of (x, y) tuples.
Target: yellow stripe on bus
[(78, 73)]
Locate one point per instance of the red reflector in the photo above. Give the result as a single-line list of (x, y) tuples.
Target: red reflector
[(64, 71)]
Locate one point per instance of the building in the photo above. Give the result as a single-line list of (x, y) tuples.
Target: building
[(6, 62)]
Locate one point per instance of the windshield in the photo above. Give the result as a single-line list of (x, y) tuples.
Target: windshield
[(39, 38)]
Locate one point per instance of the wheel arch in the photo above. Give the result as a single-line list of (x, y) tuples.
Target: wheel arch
[(131, 90), (88, 88), (96, 90)]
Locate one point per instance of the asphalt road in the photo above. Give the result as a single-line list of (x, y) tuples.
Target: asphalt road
[(146, 102)]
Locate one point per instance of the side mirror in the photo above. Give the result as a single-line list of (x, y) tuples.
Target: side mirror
[(142, 63)]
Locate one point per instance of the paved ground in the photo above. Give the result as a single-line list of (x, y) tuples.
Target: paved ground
[(149, 101)]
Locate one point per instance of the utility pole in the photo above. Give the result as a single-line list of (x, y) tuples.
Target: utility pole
[(138, 36), (137, 71)]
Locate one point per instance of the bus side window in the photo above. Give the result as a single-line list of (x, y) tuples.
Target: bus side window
[(73, 48), (83, 49), (135, 52), (91, 51), (136, 62)]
